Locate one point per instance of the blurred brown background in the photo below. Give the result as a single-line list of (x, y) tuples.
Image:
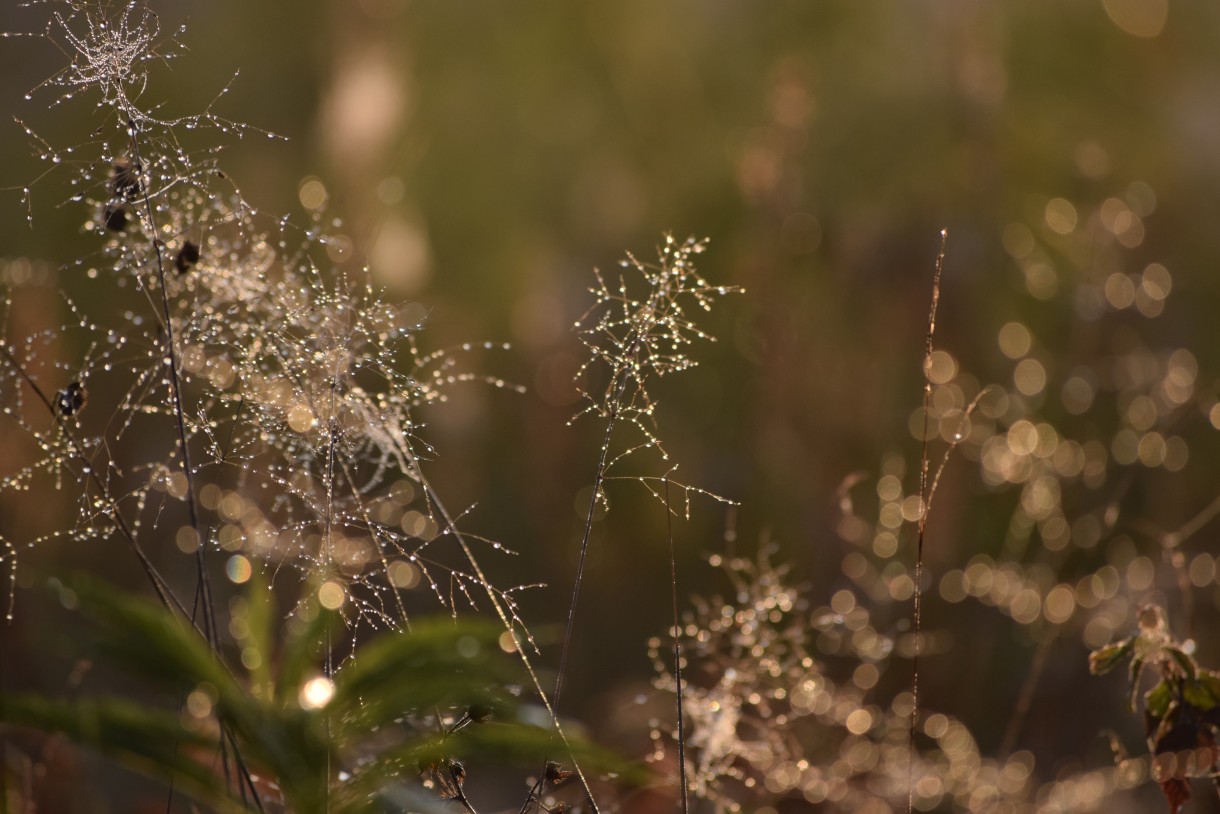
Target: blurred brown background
[(484, 157)]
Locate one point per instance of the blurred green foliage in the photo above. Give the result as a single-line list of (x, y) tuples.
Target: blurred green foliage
[(305, 742)]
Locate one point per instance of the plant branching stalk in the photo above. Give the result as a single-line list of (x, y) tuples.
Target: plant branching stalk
[(204, 589), (171, 356), (617, 386), (630, 358)]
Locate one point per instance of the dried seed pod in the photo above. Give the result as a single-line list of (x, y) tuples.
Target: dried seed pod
[(125, 180), (555, 774), (457, 771)]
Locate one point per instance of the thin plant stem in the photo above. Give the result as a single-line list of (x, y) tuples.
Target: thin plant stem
[(518, 644), (1025, 699), (924, 496), (171, 356), (673, 595), (204, 582), (598, 483)]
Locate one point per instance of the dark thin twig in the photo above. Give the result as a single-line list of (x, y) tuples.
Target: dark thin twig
[(171, 355), (532, 797), (209, 616), (204, 585), (598, 483), (328, 547), (599, 480)]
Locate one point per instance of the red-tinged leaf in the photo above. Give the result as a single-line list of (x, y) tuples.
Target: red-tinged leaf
[(1177, 793)]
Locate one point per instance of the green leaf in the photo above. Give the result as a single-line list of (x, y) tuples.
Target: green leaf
[(1201, 693), (1209, 683), (1103, 659), (1189, 668), (1158, 699), (146, 639), (438, 663), (150, 641), (150, 741)]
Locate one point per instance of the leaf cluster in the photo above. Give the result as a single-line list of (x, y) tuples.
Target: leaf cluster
[(1181, 710)]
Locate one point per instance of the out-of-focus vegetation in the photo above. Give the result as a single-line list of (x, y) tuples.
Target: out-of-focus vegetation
[(481, 158)]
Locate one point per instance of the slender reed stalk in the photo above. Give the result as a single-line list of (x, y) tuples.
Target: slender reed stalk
[(924, 500), (677, 635)]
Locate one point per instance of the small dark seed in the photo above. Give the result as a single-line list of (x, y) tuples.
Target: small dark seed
[(187, 257), (71, 399), (115, 217)]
